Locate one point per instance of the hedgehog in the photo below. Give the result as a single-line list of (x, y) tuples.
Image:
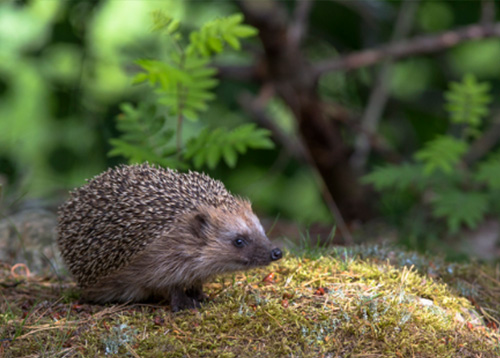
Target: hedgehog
[(141, 232)]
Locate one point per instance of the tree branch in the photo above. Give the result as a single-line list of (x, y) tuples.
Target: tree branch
[(240, 73), (380, 92), (256, 110), (300, 23), (290, 74), (417, 46), (255, 107), (487, 12), (485, 143), (376, 141)]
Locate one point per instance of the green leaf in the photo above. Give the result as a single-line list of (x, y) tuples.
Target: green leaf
[(211, 37), (184, 84), (145, 136), (232, 41), (195, 63), (467, 101), (165, 74), (234, 19), (194, 104), (173, 26), (215, 44), (391, 176), (201, 95), (230, 156), (441, 154), (140, 77), (212, 146), (205, 83), (190, 115), (213, 156), (202, 72), (199, 159), (162, 21), (489, 172), (260, 142), (460, 208), (244, 31)]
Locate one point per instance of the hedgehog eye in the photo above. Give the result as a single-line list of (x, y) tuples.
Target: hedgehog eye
[(239, 242)]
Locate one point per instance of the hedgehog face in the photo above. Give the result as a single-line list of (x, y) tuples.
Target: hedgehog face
[(236, 240), (247, 242)]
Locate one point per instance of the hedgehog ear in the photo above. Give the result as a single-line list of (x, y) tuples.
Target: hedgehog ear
[(200, 224)]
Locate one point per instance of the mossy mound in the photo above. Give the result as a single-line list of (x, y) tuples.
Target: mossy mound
[(357, 302)]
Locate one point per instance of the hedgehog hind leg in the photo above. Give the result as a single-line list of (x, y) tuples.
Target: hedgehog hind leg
[(115, 291)]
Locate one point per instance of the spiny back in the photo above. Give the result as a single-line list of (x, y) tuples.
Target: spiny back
[(117, 213)]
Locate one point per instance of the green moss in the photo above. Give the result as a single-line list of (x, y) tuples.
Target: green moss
[(362, 301)]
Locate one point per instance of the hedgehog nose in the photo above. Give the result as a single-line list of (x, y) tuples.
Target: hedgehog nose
[(276, 254)]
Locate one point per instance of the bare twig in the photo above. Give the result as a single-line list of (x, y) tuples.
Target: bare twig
[(416, 46), (257, 111), (371, 12), (485, 143), (332, 206), (299, 25), (131, 350), (377, 142), (379, 95)]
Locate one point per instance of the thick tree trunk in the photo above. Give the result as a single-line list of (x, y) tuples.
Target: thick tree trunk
[(285, 68)]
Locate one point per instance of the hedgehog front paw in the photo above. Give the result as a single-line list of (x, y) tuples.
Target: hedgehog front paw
[(179, 300), (196, 293)]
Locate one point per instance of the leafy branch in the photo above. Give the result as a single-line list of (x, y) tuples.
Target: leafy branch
[(211, 145), (468, 101), (459, 195), (183, 84), (442, 153)]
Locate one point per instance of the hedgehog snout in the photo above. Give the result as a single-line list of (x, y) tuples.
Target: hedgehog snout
[(276, 254)]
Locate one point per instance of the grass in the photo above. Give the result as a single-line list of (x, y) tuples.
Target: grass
[(368, 301)]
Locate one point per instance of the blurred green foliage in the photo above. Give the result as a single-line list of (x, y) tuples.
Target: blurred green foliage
[(67, 98), (457, 192), (184, 83), (60, 73), (66, 93)]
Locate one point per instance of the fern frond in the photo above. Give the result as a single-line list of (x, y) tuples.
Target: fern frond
[(163, 22), (395, 176), (442, 153), (144, 136), (211, 37), (140, 153), (162, 74), (488, 172), (467, 101), (459, 208), (184, 83), (213, 145)]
